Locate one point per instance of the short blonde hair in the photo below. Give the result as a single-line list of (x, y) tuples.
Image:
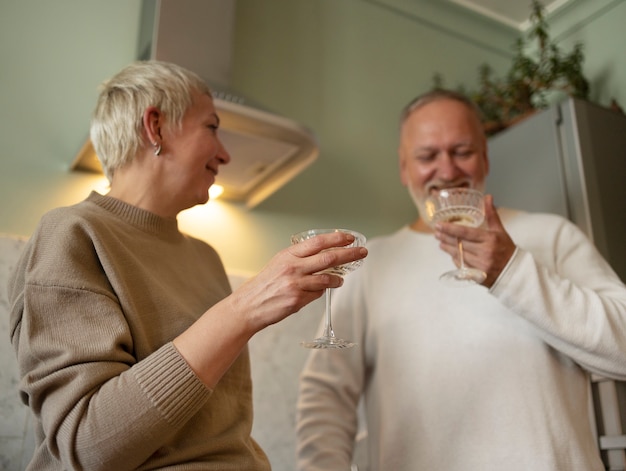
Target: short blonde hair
[(117, 121)]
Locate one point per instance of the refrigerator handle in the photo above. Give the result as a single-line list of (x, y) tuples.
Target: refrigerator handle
[(559, 139)]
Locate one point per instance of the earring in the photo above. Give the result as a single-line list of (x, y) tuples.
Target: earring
[(157, 148)]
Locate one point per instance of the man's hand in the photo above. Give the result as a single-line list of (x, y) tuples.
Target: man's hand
[(488, 248)]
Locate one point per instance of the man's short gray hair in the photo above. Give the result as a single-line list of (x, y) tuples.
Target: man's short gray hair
[(436, 95)]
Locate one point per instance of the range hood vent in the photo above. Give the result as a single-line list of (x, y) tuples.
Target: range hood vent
[(267, 150)]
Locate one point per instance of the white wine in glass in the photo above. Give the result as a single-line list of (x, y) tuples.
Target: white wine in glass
[(328, 339), (460, 206)]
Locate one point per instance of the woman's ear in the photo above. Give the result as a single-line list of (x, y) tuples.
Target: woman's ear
[(152, 121)]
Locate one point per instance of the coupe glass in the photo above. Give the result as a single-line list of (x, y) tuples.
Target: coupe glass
[(328, 338), (461, 206)]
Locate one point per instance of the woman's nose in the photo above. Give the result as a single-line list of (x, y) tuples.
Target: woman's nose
[(222, 154)]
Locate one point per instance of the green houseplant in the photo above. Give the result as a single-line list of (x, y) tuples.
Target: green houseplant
[(531, 79)]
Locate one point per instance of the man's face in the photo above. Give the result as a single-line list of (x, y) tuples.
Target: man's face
[(442, 145)]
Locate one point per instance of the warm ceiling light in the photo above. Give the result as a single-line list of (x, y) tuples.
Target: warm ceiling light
[(215, 191)]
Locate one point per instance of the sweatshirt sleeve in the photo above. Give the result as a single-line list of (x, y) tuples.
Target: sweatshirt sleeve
[(558, 281)]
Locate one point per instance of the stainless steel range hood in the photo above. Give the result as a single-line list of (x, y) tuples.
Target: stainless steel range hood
[(266, 150)]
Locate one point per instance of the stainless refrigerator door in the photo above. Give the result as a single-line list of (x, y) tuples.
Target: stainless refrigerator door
[(525, 170), (570, 160), (599, 135)]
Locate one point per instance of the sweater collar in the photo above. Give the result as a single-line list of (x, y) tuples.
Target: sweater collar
[(140, 218)]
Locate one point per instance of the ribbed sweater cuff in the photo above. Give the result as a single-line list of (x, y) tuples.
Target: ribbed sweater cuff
[(501, 282), (171, 385)]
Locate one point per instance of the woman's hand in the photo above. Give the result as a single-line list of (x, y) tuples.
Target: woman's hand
[(291, 279), (286, 284)]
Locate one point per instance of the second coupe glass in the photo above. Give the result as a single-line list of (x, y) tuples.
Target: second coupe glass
[(460, 206)]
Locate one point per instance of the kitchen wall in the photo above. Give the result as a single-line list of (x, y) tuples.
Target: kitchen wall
[(344, 68), (596, 24)]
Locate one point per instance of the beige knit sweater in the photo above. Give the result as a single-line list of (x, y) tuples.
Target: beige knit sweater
[(100, 292)]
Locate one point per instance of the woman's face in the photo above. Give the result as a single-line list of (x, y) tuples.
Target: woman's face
[(193, 154)]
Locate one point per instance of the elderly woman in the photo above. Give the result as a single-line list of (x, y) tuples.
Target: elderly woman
[(131, 347)]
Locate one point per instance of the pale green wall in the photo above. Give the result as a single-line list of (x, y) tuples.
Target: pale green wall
[(346, 68), (342, 67), (600, 25), (53, 55)]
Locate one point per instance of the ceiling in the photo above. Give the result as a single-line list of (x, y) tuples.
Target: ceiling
[(513, 13)]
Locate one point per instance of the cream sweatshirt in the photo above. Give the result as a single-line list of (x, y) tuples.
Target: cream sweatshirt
[(467, 379)]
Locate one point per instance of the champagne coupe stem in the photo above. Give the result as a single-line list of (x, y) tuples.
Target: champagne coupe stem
[(328, 328), (460, 245)]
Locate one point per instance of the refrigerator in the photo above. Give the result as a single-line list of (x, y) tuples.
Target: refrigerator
[(570, 159)]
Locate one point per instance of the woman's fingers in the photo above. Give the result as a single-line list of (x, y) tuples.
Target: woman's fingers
[(321, 242), (326, 251)]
